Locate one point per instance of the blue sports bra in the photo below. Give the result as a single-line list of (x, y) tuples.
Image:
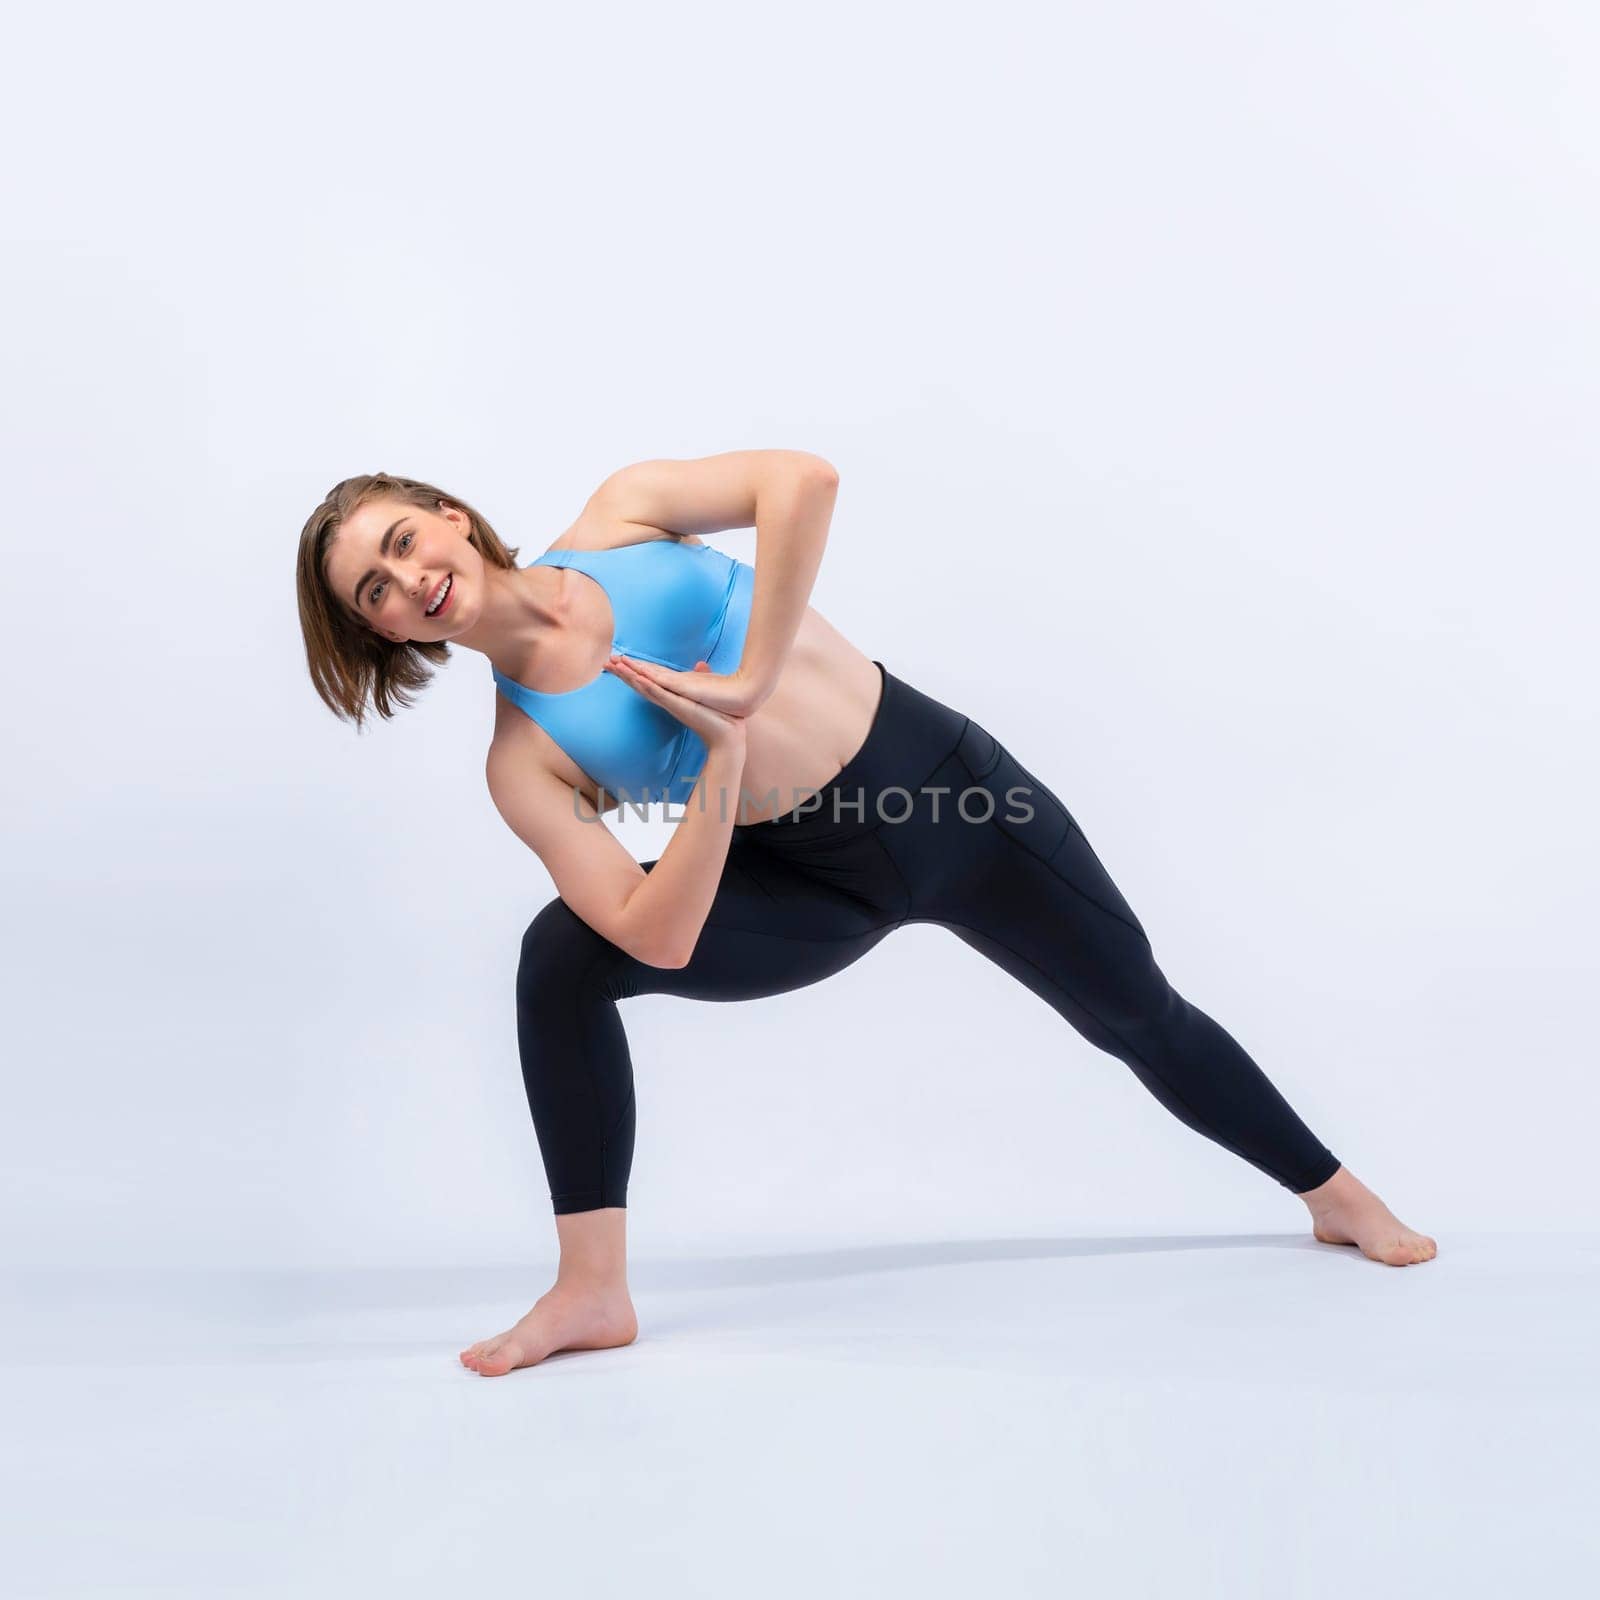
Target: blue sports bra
[(671, 603)]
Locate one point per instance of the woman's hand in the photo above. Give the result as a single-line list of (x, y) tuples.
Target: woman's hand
[(730, 692), (719, 729)]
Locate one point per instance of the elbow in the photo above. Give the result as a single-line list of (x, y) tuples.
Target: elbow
[(666, 959), (802, 466), (658, 952), (655, 940)]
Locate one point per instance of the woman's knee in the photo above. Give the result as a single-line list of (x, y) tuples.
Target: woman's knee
[(560, 949), (1142, 1003), (574, 1050)]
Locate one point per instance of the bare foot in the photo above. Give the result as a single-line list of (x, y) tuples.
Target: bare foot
[(1345, 1211), (566, 1318)]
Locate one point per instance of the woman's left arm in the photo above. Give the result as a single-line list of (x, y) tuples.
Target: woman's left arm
[(793, 502), (792, 516)]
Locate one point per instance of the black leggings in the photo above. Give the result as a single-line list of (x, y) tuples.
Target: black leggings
[(805, 894)]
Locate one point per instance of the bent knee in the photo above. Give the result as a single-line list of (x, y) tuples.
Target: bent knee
[(560, 948)]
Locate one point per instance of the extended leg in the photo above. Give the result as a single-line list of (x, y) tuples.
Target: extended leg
[(1033, 897)]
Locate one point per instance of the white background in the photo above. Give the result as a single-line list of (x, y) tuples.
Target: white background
[(1213, 393)]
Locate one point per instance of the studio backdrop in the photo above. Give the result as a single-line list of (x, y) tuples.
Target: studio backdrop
[(1213, 401)]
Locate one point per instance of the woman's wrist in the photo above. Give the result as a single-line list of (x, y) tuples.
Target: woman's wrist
[(728, 745)]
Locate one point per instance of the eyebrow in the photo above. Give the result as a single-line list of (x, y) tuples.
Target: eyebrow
[(383, 550)]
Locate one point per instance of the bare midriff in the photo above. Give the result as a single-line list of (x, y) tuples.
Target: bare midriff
[(796, 741), (816, 719)]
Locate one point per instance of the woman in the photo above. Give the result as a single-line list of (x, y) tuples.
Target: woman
[(826, 803)]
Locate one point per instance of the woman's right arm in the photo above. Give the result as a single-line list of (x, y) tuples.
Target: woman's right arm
[(655, 916)]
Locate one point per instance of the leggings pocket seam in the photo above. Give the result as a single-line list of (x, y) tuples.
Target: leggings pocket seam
[(969, 750), (1050, 862)]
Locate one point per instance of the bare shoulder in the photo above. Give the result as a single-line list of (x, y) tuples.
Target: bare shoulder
[(521, 755)]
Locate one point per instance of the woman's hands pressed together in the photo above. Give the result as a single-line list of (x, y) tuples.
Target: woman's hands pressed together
[(732, 692), (714, 704)]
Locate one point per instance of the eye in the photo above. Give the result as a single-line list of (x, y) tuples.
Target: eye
[(372, 593)]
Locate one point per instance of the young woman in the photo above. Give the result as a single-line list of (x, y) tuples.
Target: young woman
[(826, 802)]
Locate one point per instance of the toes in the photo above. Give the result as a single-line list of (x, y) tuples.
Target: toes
[(493, 1358), (475, 1355)]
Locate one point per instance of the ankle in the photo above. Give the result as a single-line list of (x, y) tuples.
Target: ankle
[(1341, 1186), (591, 1282), (594, 1252)]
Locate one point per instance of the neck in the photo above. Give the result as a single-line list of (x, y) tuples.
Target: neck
[(521, 606)]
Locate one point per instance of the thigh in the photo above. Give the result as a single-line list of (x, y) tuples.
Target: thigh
[(772, 927), (1025, 886)]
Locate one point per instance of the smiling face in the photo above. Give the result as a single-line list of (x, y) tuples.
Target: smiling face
[(390, 560)]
